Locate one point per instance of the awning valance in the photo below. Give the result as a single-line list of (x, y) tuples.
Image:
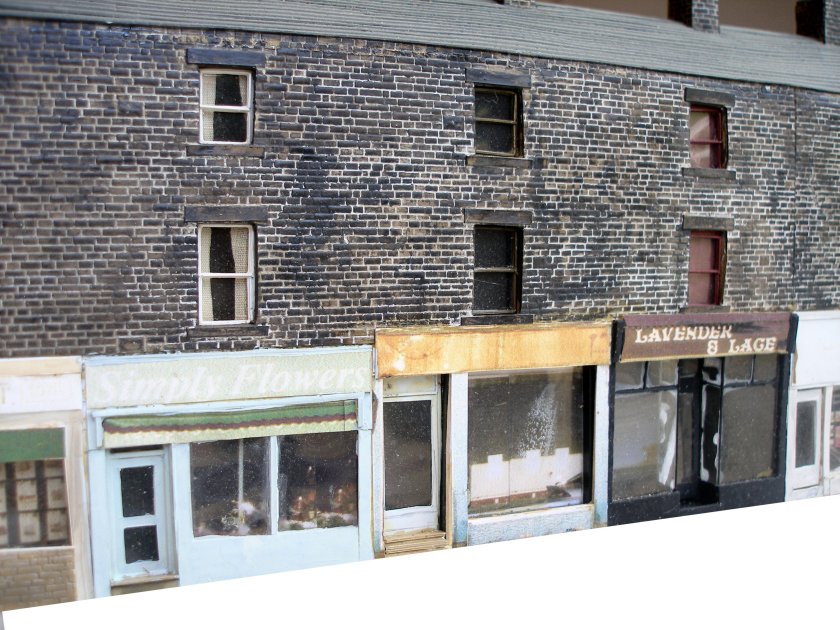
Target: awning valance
[(31, 445), (124, 431)]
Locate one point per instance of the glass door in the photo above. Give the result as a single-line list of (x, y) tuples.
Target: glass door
[(806, 439), (411, 440)]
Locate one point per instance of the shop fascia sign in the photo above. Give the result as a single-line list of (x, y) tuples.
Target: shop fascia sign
[(704, 335)]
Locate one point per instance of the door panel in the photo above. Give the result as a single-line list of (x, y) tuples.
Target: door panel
[(411, 441), (806, 439)]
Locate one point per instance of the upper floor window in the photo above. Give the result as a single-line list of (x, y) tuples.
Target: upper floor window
[(705, 268), (226, 274), (707, 136), (498, 122), (226, 106), (497, 271)]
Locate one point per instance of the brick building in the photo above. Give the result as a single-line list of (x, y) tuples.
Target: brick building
[(493, 269)]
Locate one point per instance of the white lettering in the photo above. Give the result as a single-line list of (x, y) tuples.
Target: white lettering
[(712, 347)]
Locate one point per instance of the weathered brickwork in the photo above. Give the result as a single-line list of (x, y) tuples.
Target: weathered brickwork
[(702, 15), (832, 22), (817, 243), (36, 577), (365, 182)]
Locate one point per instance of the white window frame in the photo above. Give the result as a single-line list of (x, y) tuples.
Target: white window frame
[(161, 519), (249, 275), (409, 389), (247, 109)]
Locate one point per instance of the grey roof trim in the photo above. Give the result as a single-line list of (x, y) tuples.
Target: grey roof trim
[(549, 31)]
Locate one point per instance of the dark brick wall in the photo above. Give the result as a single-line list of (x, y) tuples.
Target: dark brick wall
[(817, 242), (699, 14), (832, 22), (365, 184)]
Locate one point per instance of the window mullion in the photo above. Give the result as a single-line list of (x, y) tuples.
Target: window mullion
[(274, 486)]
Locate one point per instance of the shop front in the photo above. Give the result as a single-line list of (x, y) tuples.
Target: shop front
[(488, 433), (699, 407), (217, 466), (44, 553), (814, 412)]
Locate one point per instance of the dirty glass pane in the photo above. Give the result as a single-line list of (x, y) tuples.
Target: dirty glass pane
[(140, 544), (525, 440), (494, 248), (494, 137), (230, 487), (644, 443), (806, 429), (629, 375), (229, 126), (710, 434), (221, 250), (701, 288), (493, 291), (495, 105), (662, 373), (834, 432), (748, 438), (712, 370), (701, 156), (688, 465), (700, 126), (230, 89), (138, 492), (738, 369), (408, 453), (317, 480), (704, 255), (765, 367)]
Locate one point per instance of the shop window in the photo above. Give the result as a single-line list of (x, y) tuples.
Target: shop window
[(226, 107), (705, 268), (230, 487), (644, 459), (707, 136), (33, 504), (226, 274), (232, 492), (498, 127), (527, 436), (693, 424), (317, 480), (497, 271)]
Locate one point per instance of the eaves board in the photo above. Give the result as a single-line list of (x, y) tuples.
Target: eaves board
[(546, 31)]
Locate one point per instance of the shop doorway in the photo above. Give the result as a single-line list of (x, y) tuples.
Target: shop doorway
[(412, 447), (806, 439)]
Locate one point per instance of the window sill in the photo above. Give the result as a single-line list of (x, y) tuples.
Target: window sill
[(499, 160), (235, 330), (709, 173), (482, 320), (719, 308), (225, 150)]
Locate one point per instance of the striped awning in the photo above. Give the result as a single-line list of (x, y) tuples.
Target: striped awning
[(129, 431)]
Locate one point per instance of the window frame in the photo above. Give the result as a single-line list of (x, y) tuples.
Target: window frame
[(515, 122), (158, 459), (587, 419), (247, 109), (249, 275), (515, 269), (717, 274), (274, 464), (8, 492), (719, 155)]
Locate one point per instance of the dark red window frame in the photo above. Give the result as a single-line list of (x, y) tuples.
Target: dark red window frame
[(708, 293), (716, 140)]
